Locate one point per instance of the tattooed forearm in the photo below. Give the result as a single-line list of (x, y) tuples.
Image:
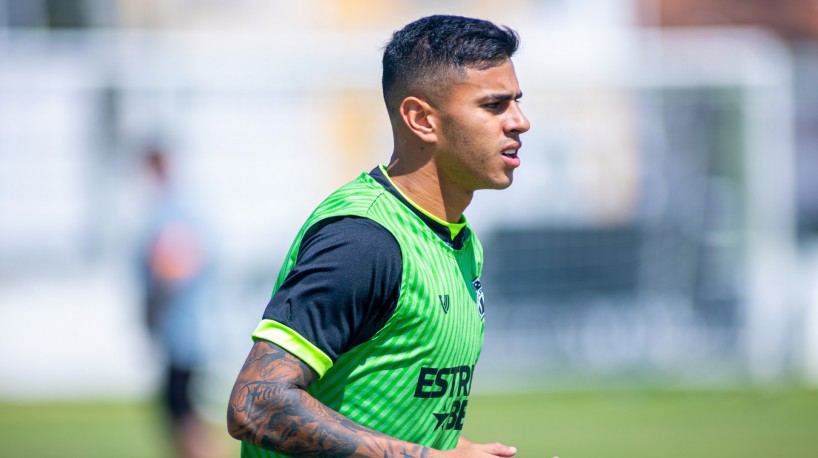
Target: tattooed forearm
[(269, 408)]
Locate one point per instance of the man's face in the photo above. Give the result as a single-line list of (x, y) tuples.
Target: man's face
[(479, 129)]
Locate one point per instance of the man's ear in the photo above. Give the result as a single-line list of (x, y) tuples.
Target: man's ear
[(420, 118)]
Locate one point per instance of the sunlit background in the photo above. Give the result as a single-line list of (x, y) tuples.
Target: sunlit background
[(661, 233)]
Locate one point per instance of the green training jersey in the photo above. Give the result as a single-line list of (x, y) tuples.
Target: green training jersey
[(412, 379)]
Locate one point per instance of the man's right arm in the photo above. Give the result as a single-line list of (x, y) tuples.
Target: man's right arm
[(270, 408)]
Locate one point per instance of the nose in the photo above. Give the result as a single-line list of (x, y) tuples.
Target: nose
[(517, 122)]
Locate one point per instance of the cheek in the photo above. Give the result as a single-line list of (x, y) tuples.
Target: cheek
[(470, 142), (473, 134), (468, 149)]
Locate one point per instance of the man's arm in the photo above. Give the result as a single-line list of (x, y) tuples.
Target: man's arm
[(270, 408)]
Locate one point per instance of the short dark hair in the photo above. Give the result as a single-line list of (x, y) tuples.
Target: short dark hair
[(437, 46)]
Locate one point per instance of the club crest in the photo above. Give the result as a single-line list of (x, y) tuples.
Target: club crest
[(478, 295)]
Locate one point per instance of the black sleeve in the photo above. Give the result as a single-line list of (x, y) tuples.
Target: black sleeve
[(344, 286)]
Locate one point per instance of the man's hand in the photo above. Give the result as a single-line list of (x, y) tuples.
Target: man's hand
[(467, 449)]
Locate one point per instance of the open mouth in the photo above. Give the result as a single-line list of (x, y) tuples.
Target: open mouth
[(510, 153)]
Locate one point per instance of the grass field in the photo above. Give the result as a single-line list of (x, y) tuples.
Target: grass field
[(651, 424), (630, 424)]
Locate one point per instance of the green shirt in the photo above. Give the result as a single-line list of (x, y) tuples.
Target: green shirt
[(412, 379)]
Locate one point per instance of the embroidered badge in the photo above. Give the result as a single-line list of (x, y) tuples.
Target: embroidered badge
[(478, 292)]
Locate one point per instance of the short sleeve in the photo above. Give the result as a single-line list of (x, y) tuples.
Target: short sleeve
[(343, 288)]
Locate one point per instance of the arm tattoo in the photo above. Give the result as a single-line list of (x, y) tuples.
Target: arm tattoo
[(270, 408)]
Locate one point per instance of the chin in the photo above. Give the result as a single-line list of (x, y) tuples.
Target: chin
[(507, 182), (501, 184)]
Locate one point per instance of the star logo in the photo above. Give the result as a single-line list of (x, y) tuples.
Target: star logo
[(441, 417), (455, 416)]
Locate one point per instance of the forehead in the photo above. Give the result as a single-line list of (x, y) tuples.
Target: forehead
[(498, 80)]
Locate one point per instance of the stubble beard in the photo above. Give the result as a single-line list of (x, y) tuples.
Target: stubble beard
[(469, 167)]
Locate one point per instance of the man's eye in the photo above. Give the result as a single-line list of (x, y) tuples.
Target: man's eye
[(493, 106)]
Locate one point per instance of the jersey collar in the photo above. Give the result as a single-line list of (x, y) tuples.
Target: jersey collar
[(443, 230)]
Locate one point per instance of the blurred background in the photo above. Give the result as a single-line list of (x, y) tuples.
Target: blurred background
[(660, 237)]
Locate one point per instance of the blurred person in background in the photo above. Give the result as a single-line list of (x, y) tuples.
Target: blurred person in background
[(368, 344), (175, 267)]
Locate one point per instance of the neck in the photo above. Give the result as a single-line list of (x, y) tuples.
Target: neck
[(421, 182)]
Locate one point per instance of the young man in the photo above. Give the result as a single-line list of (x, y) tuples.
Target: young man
[(368, 345)]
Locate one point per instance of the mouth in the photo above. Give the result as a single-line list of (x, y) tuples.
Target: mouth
[(510, 156), (509, 153)]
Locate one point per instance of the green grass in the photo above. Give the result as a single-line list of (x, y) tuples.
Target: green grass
[(81, 430), (650, 424), (630, 424)]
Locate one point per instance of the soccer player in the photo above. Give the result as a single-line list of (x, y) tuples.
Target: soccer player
[(368, 345)]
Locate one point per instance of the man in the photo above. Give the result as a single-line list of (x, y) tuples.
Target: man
[(175, 271), (368, 345)]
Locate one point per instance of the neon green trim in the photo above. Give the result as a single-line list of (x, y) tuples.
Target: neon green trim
[(291, 341), (454, 228)]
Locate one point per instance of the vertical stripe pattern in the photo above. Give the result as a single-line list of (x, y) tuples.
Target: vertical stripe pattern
[(412, 379)]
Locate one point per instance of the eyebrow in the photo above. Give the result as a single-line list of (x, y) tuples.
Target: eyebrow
[(501, 97)]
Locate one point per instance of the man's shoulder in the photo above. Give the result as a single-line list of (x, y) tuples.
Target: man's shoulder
[(354, 198), (353, 230), (363, 185)]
